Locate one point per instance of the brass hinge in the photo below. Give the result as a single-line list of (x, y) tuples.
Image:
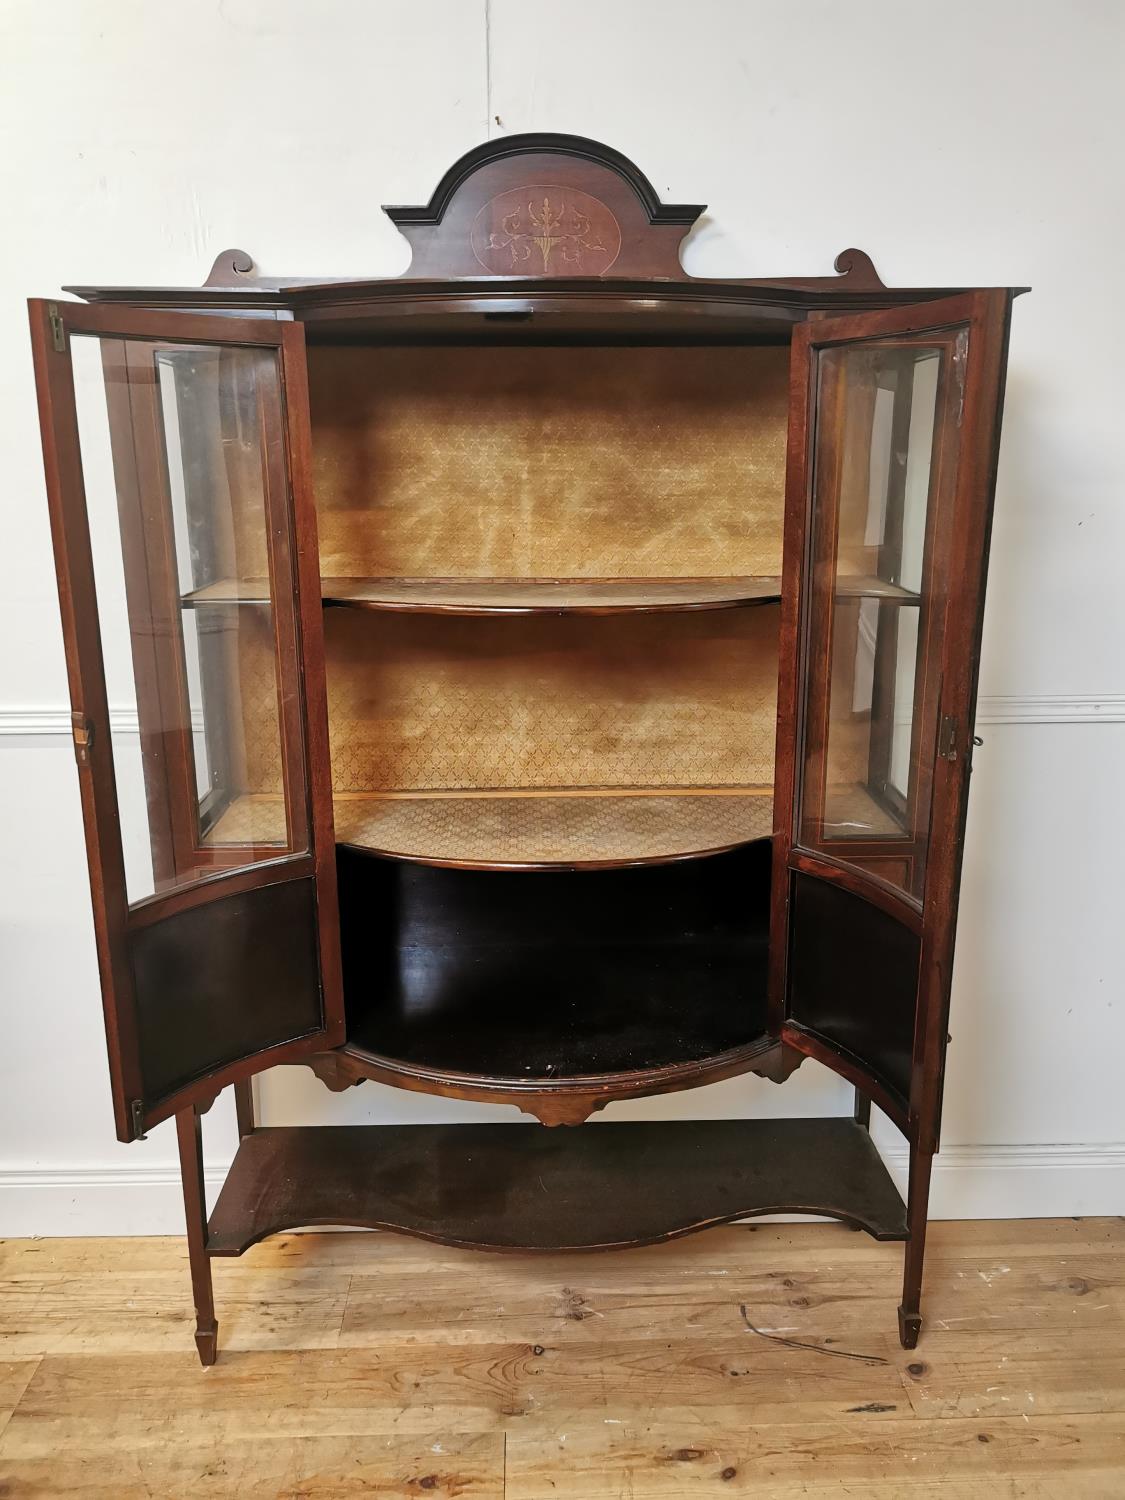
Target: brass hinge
[(83, 732), (58, 331), (960, 361), (137, 1110), (947, 738)]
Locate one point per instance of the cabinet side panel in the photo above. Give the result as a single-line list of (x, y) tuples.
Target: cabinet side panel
[(854, 978), (221, 981)]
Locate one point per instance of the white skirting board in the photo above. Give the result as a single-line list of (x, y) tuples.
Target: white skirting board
[(969, 1182)]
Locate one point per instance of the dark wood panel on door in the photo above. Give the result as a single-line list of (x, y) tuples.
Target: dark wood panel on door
[(853, 979), (226, 979)]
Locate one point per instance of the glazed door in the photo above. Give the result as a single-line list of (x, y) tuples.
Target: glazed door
[(176, 449), (893, 433)]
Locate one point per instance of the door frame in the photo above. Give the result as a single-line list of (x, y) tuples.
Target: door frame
[(986, 314), (114, 918)]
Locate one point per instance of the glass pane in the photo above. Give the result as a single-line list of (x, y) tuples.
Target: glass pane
[(886, 438), (185, 485)]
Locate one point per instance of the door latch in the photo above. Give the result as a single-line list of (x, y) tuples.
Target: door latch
[(83, 731), (947, 737), (137, 1110), (58, 331)]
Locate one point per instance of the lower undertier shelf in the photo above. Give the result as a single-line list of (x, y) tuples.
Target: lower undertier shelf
[(521, 1187)]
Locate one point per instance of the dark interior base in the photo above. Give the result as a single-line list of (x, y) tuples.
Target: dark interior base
[(554, 974), (520, 1187)]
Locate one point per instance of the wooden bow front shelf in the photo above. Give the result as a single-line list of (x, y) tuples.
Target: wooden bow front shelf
[(528, 596), (544, 679), (525, 830), (525, 596), (554, 830)]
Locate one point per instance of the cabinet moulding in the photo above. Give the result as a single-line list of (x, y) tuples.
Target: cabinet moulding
[(30, 721)]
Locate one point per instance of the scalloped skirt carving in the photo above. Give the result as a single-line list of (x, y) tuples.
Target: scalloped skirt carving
[(567, 1101)]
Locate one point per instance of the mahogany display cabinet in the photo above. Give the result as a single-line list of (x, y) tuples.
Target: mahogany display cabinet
[(544, 678)]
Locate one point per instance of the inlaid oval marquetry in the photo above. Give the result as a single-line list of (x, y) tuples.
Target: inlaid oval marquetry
[(542, 229)]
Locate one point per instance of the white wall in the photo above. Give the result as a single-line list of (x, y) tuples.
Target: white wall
[(964, 144)]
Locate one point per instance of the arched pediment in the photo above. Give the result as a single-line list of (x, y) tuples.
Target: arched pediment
[(545, 205)]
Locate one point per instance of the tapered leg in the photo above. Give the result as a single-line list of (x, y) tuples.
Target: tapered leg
[(917, 1216), (190, 1137), (244, 1107)]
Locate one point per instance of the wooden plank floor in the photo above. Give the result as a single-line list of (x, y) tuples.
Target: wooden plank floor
[(374, 1365)]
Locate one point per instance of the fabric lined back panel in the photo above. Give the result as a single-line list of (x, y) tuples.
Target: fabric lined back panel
[(523, 462), (425, 702)]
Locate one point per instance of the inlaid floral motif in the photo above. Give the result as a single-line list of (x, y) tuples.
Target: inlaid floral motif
[(546, 230)]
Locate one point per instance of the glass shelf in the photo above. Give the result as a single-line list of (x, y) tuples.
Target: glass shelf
[(852, 812), (229, 591), (868, 587)]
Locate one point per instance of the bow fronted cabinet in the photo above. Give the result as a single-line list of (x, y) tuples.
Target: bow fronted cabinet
[(545, 678)]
